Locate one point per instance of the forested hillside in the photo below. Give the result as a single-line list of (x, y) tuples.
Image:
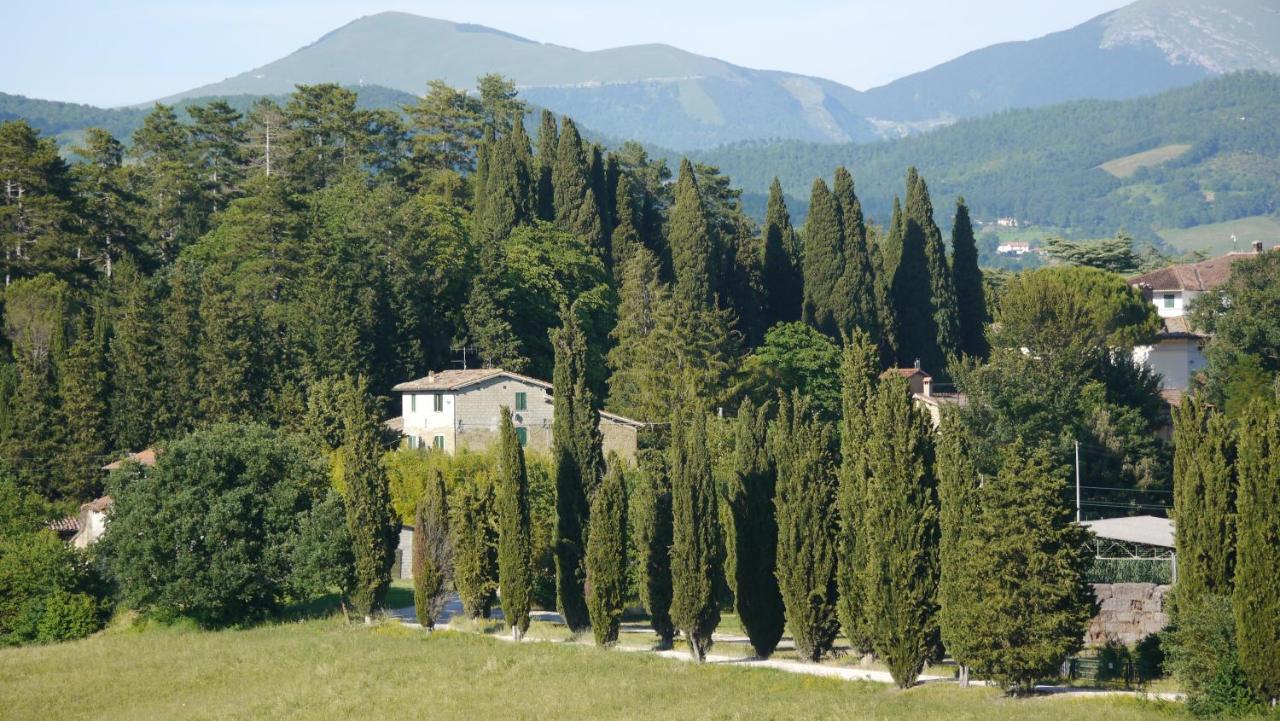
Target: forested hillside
[(1041, 166)]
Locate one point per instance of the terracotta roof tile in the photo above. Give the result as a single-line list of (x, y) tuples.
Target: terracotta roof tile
[(145, 457), (1202, 276)]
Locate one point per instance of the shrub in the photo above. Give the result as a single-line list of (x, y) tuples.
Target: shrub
[(322, 559), (1200, 650), (207, 533), (44, 590), (67, 616)]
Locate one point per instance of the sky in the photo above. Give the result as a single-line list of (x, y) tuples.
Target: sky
[(121, 52)]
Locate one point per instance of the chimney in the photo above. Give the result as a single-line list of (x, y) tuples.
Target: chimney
[(917, 364), (431, 376), (927, 391), (1257, 246)]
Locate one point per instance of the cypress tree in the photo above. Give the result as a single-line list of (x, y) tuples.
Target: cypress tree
[(858, 371), (696, 546), (1204, 490), (576, 451), (692, 245), (913, 287), (488, 314), (515, 543), (475, 557), (607, 555), (179, 349), (900, 530), (755, 531), (638, 360), (652, 523), (959, 515), (507, 197), (370, 518), (823, 260), (885, 253), (780, 273), (1256, 600), (83, 400), (432, 552), (971, 299), (941, 293), (625, 239), (577, 208), (801, 446), (1031, 600), (548, 141), (131, 356), (855, 290)]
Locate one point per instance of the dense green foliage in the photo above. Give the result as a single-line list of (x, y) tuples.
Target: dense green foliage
[(324, 557), (795, 358), (802, 448), (206, 534), (607, 555), (1201, 651), (1244, 318), (515, 543), (755, 531), (1019, 599), (371, 521), (858, 366)]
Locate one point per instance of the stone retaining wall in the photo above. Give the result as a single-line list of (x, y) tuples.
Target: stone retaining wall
[(1128, 613)]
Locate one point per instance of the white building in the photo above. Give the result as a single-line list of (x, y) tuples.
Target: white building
[(1179, 351), (1014, 247)]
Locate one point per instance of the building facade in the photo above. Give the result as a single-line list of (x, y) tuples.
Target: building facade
[(456, 409)]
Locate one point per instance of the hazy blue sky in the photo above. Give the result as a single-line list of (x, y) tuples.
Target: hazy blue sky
[(129, 51)]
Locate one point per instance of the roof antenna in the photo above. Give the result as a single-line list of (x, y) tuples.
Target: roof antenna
[(461, 352), (1234, 245)]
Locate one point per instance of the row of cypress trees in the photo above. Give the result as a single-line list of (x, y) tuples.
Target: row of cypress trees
[(1227, 513)]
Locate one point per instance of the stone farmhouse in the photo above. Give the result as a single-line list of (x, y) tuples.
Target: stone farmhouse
[(454, 409)]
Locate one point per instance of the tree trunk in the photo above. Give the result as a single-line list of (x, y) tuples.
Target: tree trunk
[(346, 615), (964, 676)]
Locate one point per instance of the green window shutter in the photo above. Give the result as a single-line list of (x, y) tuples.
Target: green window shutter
[(413, 402), (438, 402), (522, 433), (522, 401), (438, 443)]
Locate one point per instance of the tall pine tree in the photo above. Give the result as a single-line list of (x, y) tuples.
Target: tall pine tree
[(755, 531), (651, 518), (515, 544), (858, 371), (693, 246), (942, 295), (576, 206), (801, 446), (855, 290), (432, 552)]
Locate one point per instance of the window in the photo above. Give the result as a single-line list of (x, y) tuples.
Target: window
[(437, 402), (522, 401), (1168, 300), (413, 441), (522, 433), (413, 402), (438, 443)]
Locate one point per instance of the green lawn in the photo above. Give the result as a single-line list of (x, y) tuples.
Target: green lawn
[(323, 669), (1215, 238)]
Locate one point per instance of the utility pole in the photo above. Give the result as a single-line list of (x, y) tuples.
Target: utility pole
[(1077, 481)]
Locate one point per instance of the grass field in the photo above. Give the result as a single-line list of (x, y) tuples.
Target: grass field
[(1215, 239), (1128, 165), (323, 669)]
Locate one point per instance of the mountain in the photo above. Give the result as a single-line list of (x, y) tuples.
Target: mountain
[(1208, 153), (652, 93), (1142, 48)]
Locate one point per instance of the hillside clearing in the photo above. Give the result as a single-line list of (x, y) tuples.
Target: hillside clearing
[(1128, 165), (325, 670), (1215, 238)]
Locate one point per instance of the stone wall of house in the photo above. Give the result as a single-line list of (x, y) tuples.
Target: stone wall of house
[(618, 438), (1127, 612)]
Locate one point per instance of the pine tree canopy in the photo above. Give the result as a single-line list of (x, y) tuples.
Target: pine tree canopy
[(823, 261)]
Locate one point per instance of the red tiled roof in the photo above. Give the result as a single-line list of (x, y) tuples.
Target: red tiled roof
[(145, 457), (1202, 276), (452, 380), (97, 505), (905, 373), (70, 524)]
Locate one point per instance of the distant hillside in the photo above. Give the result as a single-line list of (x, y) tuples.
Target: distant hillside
[(651, 93), (1142, 48), (673, 98), (1044, 166)]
